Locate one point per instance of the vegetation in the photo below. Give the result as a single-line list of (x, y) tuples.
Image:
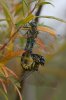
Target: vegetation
[(12, 41)]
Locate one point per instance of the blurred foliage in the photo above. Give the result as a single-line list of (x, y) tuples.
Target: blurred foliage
[(52, 78)]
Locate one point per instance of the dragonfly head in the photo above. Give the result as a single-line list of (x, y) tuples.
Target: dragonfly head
[(42, 60), (38, 58), (33, 24)]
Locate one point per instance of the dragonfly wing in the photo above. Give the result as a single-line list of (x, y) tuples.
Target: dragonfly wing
[(40, 43), (26, 75), (34, 78), (46, 43)]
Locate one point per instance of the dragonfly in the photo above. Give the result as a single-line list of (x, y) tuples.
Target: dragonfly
[(37, 59)]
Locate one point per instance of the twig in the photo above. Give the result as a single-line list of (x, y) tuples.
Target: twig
[(5, 44)]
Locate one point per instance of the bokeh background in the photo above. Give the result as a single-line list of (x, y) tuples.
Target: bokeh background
[(49, 83)]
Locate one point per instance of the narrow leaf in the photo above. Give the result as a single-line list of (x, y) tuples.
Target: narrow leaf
[(52, 17), (6, 11), (2, 76), (11, 72), (46, 29), (18, 92), (26, 4), (4, 87), (18, 8), (5, 71), (4, 94), (25, 21), (11, 55), (11, 44), (40, 43), (45, 3)]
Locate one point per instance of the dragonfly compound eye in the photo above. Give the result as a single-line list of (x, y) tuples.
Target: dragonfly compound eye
[(42, 60), (33, 24), (38, 58)]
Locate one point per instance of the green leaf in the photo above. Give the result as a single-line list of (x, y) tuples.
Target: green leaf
[(26, 20), (45, 3), (4, 94), (18, 8), (25, 7), (22, 8), (52, 17), (6, 11), (26, 3)]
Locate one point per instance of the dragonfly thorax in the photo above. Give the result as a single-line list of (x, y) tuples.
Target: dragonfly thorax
[(33, 24)]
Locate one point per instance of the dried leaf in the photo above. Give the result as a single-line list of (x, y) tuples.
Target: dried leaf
[(18, 92), (40, 42), (4, 87), (5, 71), (46, 29), (11, 55), (3, 68), (11, 72)]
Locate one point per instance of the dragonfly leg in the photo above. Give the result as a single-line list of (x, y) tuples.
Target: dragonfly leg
[(35, 66)]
